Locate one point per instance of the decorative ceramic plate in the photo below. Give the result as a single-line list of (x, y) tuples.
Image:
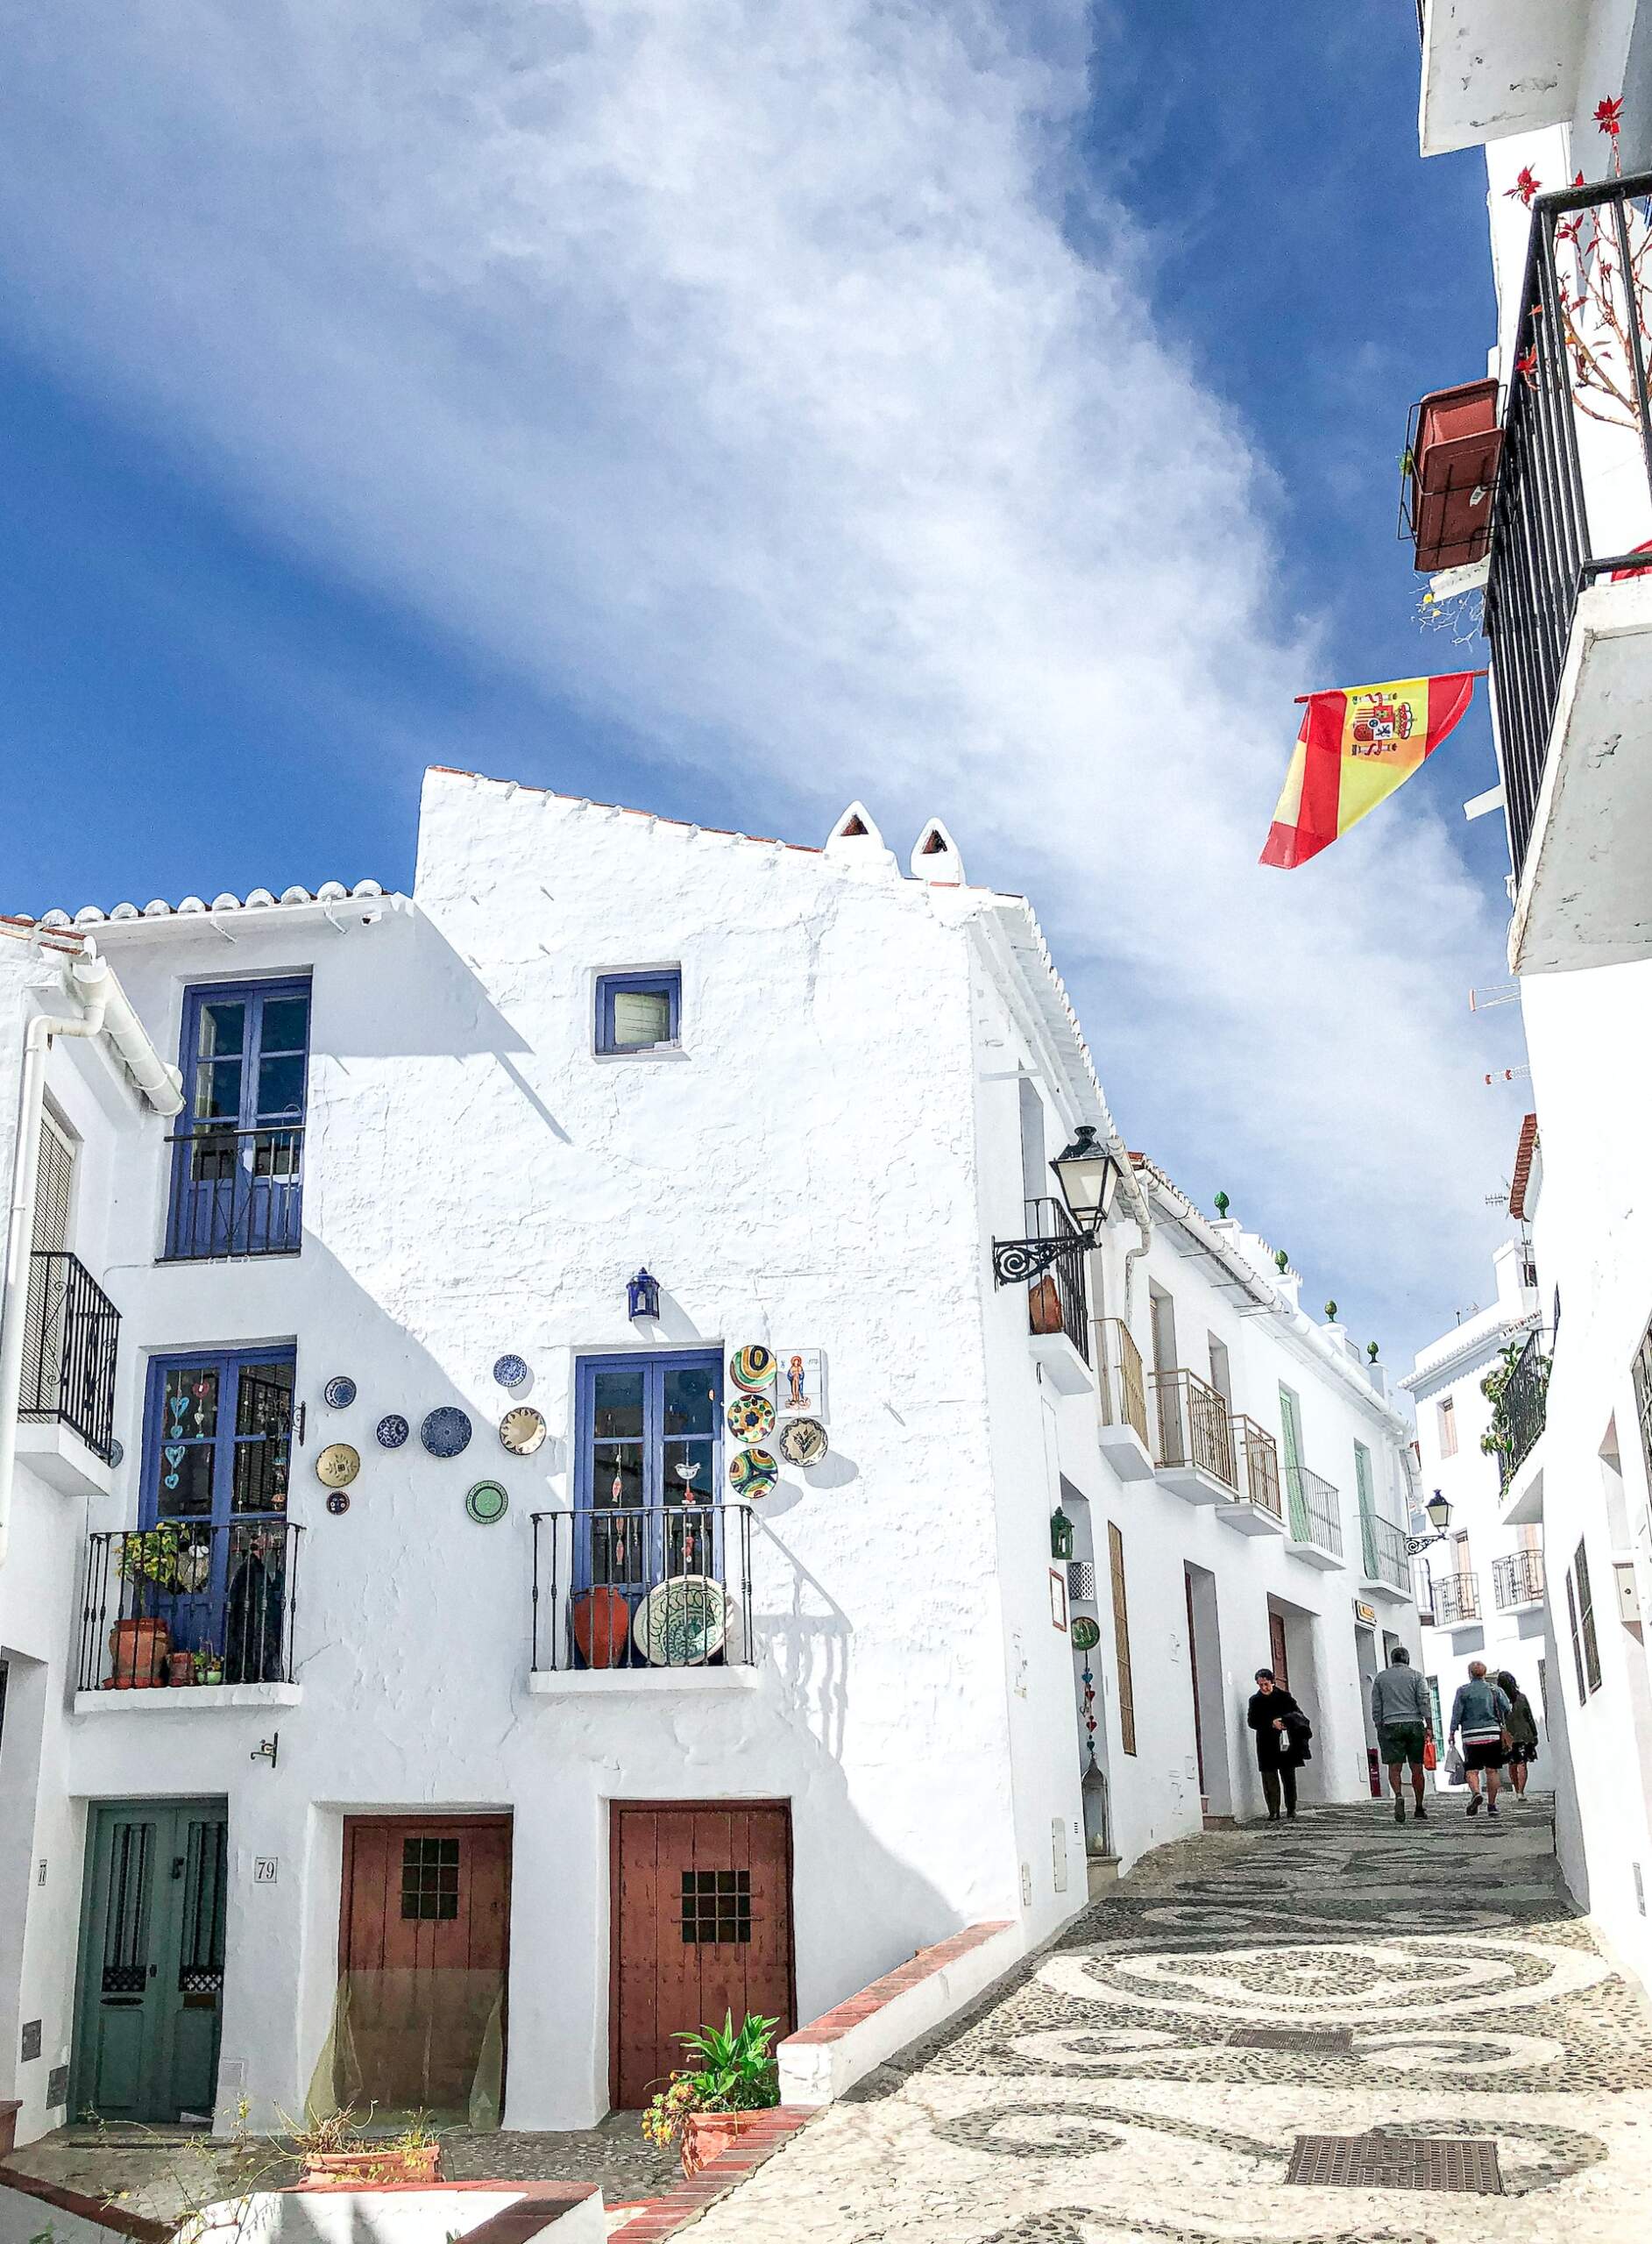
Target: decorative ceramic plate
[(510, 1371), (338, 1465), (446, 1432), (683, 1622), (602, 1627), (753, 1472), (803, 1441), (485, 1502), (1086, 1633), (339, 1394), (392, 1431), (339, 1503), (751, 1417), (752, 1366), (117, 1452), (521, 1430)]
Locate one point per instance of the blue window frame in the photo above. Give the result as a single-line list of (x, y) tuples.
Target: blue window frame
[(217, 1457), (238, 1152), (638, 1012)]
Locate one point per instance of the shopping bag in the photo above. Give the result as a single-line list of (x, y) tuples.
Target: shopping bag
[(1430, 1758), (1456, 1768)]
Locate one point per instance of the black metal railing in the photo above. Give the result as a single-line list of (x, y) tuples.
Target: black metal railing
[(71, 1335), (1050, 1258), (1192, 1427), (1517, 1580), (656, 1587), (1261, 1457), (1579, 371), (1122, 1385), (1315, 1512), (1456, 1597), (235, 1192), (188, 1605), (1383, 1546), (1523, 1406)]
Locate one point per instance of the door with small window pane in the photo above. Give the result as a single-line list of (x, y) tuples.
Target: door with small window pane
[(700, 1925), (217, 1458), (238, 1167)]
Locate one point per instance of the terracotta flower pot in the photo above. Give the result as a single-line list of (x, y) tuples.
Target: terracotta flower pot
[(373, 2166), (708, 2134), (138, 1650), (180, 1669)]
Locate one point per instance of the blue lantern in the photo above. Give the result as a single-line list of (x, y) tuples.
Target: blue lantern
[(642, 1296)]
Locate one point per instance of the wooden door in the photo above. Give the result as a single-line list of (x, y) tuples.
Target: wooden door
[(1192, 1677), (152, 1974), (1277, 1659), (700, 1926), (423, 1949)]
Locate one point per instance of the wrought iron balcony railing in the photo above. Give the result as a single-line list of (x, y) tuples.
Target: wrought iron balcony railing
[(1192, 1427), (1314, 1513), (236, 1192), (1383, 1547), (1123, 1385), (1456, 1597), (1517, 1580), (1573, 501), (656, 1587), (187, 1604), (71, 1334), (1259, 1454), (1051, 1261), (1522, 1407)]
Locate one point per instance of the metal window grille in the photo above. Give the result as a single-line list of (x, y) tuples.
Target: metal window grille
[(1123, 1389), (1316, 1515), (716, 1907), (201, 1951), (126, 1926), (1261, 1465), (1193, 1426), (236, 1192), (226, 1593), (1641, 1370), (1058, 1299), (595, 1573), (1576, 1643), (71, 1336), (1586, 1619), (1525, 1404), (1456, 1597), (1518, 1579), (430, 1879)]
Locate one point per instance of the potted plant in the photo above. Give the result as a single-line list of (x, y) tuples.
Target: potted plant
[(704, 2110), (209, 1665), (138, 1644), (336, 2154), (180, 1669)]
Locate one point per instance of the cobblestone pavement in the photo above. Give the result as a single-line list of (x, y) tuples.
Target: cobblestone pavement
[(1099, 2095)]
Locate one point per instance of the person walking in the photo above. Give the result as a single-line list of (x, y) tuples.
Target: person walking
[(1479, 1712), (1522, 1732), (1401, 1709), (1278, 1751)]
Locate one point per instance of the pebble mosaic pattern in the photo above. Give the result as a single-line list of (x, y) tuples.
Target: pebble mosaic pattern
[(1098, 2094)]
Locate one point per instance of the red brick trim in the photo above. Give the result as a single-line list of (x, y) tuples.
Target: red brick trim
[(663, 2217), (92, 2208), (832, 2025), (539, 2204), (1522, 1175)]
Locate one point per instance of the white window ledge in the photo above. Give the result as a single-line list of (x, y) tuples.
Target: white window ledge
[(650, 1682), (199, 1699)]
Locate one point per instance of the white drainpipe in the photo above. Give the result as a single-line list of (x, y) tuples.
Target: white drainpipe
[(104, 1010)]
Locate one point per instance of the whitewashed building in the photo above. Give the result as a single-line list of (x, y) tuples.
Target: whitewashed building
[(1557, 94), (1480, 1585), (558, 1477)]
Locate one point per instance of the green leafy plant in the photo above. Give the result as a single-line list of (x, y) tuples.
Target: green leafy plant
[(1498, 1440), (153, 1554), (209, 1665), (736, 2071)]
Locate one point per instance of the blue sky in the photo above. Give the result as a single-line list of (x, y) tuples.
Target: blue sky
[(990, 415)]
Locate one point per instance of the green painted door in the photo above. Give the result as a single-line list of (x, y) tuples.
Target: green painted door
[(152, 1960), (1291, 1430), (1367, 1509)]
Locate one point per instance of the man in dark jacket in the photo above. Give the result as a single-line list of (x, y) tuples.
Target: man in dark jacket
[(1278, 1750), (1404, 1715)]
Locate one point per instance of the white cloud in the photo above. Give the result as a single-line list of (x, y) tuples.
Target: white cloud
[(726, 368)]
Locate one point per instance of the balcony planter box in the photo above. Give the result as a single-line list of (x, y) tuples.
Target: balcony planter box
[(708, 2134), (372, 2167), (1454, 455), (138, 1653)]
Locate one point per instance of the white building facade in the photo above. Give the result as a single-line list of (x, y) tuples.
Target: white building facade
[(544, 1466), (1558, 94)]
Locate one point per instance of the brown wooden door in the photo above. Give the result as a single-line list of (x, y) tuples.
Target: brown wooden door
[(1192, 1677), (701, 1926), (1276, 1650), (423, 1947)]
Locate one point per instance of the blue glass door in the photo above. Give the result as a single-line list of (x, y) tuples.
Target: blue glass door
[(238, 1156), (647, 1471)]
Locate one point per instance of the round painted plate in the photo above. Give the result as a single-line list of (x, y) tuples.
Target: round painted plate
[(803, 1441), (752, 1366), (117, 1452), (753, 1472), (510, 1371), (683, 1622), (1086, 1633), (485, 1502), (446, 1432), (339, 1394), (392, 1431), (338, 1465), (339, 1503), (751, 1417), (521, 1430)]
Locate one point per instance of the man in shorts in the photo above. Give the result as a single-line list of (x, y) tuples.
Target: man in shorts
[(1404, 1717), (1479, 1714)]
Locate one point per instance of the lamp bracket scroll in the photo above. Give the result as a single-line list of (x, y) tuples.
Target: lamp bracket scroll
[(1016, 1262)]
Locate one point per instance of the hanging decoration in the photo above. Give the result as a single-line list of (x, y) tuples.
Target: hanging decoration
[(642, 1296), (752, 1366), (339, 1393), (445, 1432), (338, 1465), (803, 1441), (803, 1384), (1087, 1632), (510, 1371), (1357, 744), (521, 1429), (1060, 1534), (1081, 1580)]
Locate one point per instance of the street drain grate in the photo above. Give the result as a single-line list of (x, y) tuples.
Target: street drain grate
[(1316, 2042), (1394, 2162)]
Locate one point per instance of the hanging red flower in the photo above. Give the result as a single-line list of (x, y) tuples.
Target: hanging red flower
[(1607, 115), (1525, 186)]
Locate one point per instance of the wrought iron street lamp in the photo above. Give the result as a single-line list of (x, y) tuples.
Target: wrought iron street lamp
[(642, 1297), (1439, 1512), (1088, 1177)]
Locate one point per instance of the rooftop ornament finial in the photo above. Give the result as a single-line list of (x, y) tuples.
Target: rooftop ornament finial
[(1330, 1312), (1223, 1203), (1282, 1259), (1371, 1350)]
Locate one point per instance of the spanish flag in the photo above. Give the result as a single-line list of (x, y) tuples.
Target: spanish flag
[(1357, 743)]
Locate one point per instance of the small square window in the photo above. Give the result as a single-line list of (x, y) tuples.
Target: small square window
[(430, 1879), (638, 1012), (716, 1907)]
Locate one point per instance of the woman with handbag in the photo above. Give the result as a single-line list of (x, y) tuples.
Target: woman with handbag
[(1522, 1732), (1277, 1722), (1478, 1713)]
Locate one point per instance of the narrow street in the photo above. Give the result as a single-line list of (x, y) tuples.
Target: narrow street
[(1109, 2091)]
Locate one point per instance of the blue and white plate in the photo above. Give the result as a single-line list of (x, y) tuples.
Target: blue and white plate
[(446, 1432), (392, 1431), (510, 1371), (339, 1394)]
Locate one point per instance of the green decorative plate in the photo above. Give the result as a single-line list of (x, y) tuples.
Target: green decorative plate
[(1087, 1634), (753, 1472), (485, 1502), (753, 1366), (751, 1417), (683, 1622)]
